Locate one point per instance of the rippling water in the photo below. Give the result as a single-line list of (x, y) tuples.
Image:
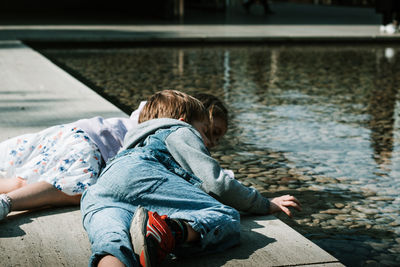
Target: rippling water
[(319, 122)]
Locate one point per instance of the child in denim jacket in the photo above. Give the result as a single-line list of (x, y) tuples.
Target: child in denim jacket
[(54, 166), (166, 169)]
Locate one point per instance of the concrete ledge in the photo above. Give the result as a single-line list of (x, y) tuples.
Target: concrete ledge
[(265, 241), (56, 238), (36, 94), (197, 33)]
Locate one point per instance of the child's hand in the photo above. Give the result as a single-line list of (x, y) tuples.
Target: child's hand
[(282, 203)]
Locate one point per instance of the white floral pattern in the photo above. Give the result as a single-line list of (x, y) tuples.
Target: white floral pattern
[(63, 156)]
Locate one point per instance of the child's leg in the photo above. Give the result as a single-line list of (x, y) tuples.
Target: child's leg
[(110, 261), (38, 195), (154, 236), (108, 231), (128, 182), (11, 184), (192, 236), (214, 225), (217, 225)]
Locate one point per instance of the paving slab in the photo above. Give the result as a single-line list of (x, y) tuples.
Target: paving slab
[(36, 94), (56, 238)]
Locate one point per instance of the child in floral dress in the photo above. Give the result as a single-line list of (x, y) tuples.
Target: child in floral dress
[(54, 166)]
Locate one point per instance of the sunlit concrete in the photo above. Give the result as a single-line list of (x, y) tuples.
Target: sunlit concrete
[(36, 94)]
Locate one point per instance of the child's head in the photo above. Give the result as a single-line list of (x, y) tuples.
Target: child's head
[(177, 105), (218, 116)]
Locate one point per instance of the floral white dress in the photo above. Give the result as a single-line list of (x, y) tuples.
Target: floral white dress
[(63, 156)]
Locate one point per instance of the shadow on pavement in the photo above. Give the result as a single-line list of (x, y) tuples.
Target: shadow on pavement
[(11, 226), (250, 242)]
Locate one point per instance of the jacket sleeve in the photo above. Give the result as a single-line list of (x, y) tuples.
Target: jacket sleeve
[(189, 151)]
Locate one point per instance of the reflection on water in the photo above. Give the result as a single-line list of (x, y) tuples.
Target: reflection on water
[(319, 122)]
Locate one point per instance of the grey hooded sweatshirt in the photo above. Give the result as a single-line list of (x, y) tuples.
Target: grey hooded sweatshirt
[(188, 150)]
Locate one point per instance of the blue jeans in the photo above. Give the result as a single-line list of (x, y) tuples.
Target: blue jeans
[(137, 178)]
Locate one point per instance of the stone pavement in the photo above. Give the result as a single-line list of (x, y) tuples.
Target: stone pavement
[(36, 94)]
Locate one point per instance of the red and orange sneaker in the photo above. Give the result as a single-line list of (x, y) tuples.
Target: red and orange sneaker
[(152, 239)]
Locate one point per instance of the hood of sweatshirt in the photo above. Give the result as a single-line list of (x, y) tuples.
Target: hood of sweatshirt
[(139, 133)]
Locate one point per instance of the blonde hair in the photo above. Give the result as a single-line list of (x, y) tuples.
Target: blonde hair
[(173, 104)]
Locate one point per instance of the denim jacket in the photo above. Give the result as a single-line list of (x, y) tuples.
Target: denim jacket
[(183, 145)]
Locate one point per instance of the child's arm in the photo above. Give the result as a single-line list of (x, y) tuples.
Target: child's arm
[(188, 149)]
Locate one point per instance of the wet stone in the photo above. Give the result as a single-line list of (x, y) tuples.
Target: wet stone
[(240, 176), (381, 198), (301, 221), (264, 179), (356, 226), (379, 227), (242, 170), (321, 216), (255, 170), (283, 188), (383, 220), (390, 210), (395, 250), (339, 205), (366, 210), (333, 211), (333, 222), (253, 162), (341, 217), (226, 158)]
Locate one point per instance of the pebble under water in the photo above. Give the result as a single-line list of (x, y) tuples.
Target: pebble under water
[(319, 122)]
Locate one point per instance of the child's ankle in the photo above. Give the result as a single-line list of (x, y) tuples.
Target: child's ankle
[(179, 230), (193, 236), (182, 231)]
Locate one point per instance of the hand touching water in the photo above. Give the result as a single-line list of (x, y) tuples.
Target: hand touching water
[(283, 203)]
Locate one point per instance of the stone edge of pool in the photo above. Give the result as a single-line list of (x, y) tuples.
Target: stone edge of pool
[(195, 33), (36, 94)]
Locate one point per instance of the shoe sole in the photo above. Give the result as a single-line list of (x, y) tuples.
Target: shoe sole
[(139, 223)]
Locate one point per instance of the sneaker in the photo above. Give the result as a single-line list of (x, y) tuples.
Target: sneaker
[(5, 206), (152, 238)]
